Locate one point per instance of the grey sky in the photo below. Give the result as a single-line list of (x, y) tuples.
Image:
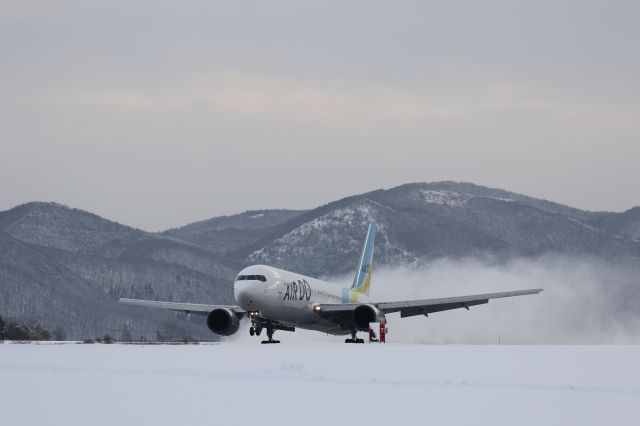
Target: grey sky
[(156, 114)]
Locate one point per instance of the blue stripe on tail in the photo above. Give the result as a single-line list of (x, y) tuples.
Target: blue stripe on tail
[(362, 280)]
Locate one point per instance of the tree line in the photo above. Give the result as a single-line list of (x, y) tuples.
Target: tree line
[(22, 331)]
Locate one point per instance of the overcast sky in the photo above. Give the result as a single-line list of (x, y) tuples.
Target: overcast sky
[(156, 114)]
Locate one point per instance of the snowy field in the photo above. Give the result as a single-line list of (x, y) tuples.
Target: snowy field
[(318, 384)]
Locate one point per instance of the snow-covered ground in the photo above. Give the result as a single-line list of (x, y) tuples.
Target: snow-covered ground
[(318, 383)]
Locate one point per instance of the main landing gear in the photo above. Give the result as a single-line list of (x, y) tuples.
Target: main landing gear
[(354, 339), (256, 329), (258, 323), (270, 331)]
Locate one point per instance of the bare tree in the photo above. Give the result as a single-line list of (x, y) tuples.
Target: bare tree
[(125, 334), (2, 328), (59, 334)]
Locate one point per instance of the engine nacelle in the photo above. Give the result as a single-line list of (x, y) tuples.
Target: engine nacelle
[(363, 315), (223, 321)]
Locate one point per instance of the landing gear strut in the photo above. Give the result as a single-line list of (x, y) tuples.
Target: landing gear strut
[(354, 339), (270, 331), (258, 323)]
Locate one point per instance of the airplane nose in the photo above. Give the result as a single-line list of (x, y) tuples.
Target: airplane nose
[(244, 293)]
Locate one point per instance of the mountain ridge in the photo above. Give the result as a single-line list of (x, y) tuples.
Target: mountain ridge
[(56, 260)]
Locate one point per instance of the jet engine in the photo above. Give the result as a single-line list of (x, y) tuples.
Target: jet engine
[(363, 315), (223, 321)]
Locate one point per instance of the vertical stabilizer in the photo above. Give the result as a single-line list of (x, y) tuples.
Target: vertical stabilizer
[(362, 281)]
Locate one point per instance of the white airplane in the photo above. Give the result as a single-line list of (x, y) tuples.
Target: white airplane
[(275, 299)]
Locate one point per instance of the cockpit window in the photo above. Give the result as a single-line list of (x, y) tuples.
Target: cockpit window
[(252, 278)]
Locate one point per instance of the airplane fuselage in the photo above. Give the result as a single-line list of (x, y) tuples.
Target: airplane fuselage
[(290, 297)]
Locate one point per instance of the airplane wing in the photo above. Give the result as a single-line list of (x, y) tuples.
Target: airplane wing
[(424, 306), (188, 308)]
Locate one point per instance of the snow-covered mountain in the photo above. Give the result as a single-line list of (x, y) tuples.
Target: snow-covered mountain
[(420, 222), (55, 225), (625, 224), (67, 267), (226, 234)]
